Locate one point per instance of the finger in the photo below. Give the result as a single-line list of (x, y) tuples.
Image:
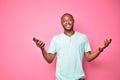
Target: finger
[(105, 42), (110, 40), (39, 43), (42, 45)]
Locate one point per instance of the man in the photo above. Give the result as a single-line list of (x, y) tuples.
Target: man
[(70, 47)]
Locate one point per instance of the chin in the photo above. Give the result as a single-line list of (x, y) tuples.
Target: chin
[(68, 29)]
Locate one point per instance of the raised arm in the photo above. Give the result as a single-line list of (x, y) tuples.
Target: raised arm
[(92, 55), (49, 57)]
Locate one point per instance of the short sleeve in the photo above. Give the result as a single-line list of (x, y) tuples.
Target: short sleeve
[(52, 47), (87, 45)]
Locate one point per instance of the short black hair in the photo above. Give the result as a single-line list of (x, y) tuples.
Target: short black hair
[(66, 14)]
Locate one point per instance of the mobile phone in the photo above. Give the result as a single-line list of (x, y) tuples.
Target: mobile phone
[(35, 40)]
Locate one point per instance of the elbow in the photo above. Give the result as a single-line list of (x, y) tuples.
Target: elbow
[(49, 62), (89, 60)]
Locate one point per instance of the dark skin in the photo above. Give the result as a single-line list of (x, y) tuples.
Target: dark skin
[(67, 22)]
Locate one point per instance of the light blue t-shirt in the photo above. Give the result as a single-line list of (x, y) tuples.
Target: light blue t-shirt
[(70, 52)]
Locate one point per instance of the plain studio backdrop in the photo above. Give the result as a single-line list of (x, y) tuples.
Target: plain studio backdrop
[(21, 20)]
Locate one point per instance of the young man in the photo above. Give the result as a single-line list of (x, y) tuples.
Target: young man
[(70, 47)]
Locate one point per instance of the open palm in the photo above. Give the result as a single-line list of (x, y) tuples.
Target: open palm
[(106, 43)]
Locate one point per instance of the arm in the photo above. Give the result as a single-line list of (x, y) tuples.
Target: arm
[(91, 56), (47, 56)]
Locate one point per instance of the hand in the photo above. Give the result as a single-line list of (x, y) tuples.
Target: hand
[(106, 43), (39, 43)]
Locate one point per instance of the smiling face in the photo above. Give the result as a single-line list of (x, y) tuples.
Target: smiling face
[(67, 22)]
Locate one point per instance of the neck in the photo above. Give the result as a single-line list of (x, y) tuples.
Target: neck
[(69, 33)]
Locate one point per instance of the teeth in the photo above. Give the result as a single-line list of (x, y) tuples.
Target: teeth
[(68, 25)]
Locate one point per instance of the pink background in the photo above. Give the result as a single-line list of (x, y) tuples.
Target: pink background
[(21, 20)]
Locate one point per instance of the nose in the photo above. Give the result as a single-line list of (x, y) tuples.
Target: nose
[(67, 22)]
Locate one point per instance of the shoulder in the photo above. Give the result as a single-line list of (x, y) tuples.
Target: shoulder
[(81, 35)]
